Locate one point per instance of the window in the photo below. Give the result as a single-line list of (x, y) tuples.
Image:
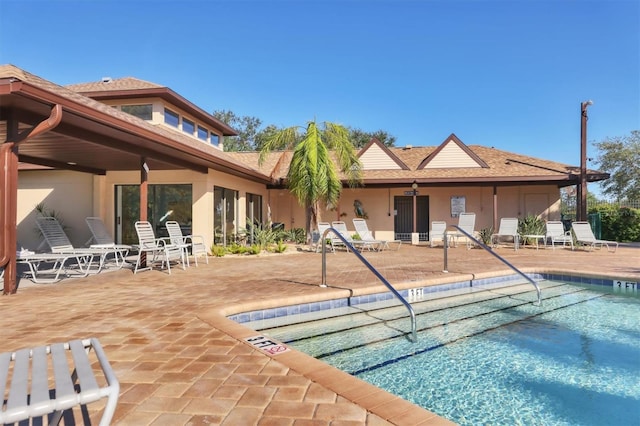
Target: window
[(171, 118), (144, 112), (202, 133), (188, 126), (215, 139)]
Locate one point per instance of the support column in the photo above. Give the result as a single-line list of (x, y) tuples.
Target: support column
[(144, 201)]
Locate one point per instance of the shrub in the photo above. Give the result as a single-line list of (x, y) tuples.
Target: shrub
[(218, 251), (485, 235), (236, 248), (280, 247), (618, 223), (531, 225), (253, 249)]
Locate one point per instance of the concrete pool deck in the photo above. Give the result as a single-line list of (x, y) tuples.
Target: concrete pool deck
[(181, 362)]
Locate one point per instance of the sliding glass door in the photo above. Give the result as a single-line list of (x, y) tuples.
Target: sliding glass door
[(225, 212), (165, 202)]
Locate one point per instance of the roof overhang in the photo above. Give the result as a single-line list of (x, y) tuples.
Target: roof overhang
[(92, 140)]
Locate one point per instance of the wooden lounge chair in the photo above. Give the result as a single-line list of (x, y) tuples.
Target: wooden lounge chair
[(584, 236)]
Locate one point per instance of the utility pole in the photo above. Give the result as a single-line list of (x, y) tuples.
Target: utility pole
[(582, 188)]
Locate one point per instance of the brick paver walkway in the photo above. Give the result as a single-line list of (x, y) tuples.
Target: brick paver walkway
[(181, 362)]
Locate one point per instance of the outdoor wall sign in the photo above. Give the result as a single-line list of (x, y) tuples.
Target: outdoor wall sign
[(458, 203)]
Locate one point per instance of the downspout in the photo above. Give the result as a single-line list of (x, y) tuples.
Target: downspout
[(9, 196)]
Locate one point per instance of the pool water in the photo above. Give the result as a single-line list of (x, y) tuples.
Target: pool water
[(491, 356)]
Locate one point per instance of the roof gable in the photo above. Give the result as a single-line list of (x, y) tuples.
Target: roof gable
[(452, 154), (376, 156)]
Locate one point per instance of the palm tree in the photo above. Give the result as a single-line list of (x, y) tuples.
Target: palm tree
[(313, 176)]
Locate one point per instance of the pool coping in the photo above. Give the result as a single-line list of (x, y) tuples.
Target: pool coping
[(373, 399)]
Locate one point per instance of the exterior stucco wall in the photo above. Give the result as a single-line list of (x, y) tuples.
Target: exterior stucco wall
[(202, 192), (78, 195), (378, 203), (68, 193)]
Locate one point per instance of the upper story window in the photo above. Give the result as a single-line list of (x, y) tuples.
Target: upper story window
[(144, 112), (215, 139), (188, 126), (202, 133), (171, 118)]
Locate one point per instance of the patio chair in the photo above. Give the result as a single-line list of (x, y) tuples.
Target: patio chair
[(436, 233), (362, 229), (59, 243), (100, 238), (148, 244), (341, 227), (556, 234), (48, 267), (467, 222), (333, 241), (508, 229), (584, 236), (186, 242)]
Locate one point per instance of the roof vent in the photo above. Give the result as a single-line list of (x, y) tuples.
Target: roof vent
[(107, 79), (408, 147)]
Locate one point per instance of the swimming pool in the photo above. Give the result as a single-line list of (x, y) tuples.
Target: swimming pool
[(486, 355)]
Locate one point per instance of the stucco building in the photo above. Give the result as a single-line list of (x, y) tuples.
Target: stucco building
[(106, 148)]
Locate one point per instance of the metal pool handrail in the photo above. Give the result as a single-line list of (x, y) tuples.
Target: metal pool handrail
[(414, 337), (487, 248)]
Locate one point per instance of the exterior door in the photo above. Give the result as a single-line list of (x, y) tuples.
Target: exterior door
[(165, 202), (403, 217)]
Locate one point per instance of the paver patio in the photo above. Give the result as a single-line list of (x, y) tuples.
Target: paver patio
[(181, 362)]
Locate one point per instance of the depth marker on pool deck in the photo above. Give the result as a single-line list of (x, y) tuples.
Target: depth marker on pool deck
[(267, 345)]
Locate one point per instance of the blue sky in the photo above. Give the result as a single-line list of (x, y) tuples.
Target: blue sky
[(508, 74)]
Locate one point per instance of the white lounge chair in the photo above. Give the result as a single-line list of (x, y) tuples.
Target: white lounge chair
[(48, 267), (333, 241), (556, 234), (100, 238), (59, 243), (436, 234), (150, 246), (362, 229), (584, 236), (186, 242), (466, 222), (508, 229)]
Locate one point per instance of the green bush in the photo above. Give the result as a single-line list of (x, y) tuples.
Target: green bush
[(279, 247), (485, 235), (531, 225), (218, 251), (253, 249), (236, 248), (618, 223)]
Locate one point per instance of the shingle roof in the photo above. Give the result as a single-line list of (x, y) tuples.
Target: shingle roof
[(503, 166), (108, 83)]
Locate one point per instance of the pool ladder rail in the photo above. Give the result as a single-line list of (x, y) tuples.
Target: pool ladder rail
[(352, 249), (493, 252)]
